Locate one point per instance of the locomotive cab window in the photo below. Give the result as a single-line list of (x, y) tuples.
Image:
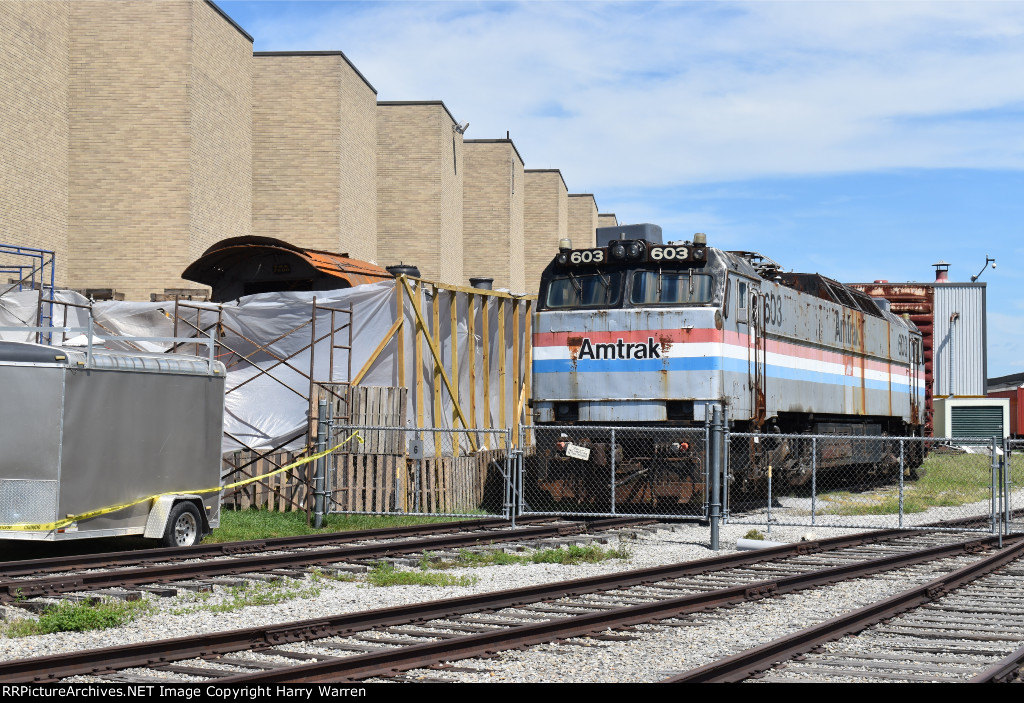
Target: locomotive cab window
[(670, 288), (584, 290)]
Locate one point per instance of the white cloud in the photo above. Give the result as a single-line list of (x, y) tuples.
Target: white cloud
[(654, 94)]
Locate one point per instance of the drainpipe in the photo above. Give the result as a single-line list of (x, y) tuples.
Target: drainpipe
[(952, 378)]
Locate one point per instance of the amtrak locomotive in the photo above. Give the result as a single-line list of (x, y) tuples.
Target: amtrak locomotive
[(636, 332)]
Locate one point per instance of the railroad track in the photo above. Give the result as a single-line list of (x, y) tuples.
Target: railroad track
[(381, 643), (965, 625), (280, 556), (137, 557)]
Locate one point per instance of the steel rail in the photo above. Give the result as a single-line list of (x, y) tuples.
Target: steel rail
[(749, 662), (13, 590), (1005, 670), (163, 651), (389, 662), (28, 567)]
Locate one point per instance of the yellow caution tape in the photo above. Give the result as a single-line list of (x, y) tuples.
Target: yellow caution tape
[(47, 526)]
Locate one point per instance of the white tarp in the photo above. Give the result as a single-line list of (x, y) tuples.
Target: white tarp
[(262, 410)]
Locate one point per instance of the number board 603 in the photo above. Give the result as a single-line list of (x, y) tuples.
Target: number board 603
[(587, 256), (670, 253)]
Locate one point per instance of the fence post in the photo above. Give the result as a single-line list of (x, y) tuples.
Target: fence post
[(1006, 466), (993, 507), (714, 461), (903, 471), (612, 480), (511, 484), (814, 480), (318, 480), (725, 464)]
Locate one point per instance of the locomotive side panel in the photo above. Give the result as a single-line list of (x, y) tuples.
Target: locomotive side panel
[(824, 358)]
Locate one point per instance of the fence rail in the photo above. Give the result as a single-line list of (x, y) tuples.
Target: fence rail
[(862, 481)]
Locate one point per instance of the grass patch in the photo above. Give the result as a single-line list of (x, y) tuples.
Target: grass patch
[(384, 574), (754, 534), (590, 554), (235, 598), (239, 525), (81, 616), (946, 480)]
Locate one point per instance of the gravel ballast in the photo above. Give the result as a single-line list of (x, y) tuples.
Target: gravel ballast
[(659, 651)]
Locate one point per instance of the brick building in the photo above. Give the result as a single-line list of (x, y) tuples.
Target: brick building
[(546, 220), (314, 152), (135, 135), (493, 198), (583, 219)]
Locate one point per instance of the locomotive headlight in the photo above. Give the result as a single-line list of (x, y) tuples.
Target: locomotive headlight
[(698, 253), (635, 250), (562, 258), (618, 251)]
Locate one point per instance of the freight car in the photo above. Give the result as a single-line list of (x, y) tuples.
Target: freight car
[(634, 333)]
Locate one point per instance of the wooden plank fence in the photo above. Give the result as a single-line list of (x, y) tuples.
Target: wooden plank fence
[(288, 490), (374, 476), (388, 483)]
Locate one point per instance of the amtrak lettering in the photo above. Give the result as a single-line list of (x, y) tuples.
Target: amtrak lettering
[(620, 350)]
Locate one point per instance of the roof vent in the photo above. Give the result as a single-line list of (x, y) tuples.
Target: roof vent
[(403, 270)]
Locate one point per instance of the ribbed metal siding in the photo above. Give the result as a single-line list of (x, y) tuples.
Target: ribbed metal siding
[(968, 339), (974, 421)]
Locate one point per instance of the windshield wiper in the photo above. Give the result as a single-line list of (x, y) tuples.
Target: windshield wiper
[(576, 284)]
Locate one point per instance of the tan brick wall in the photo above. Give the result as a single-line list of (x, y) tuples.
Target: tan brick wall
[(129, 156), (607, 219), (220, 130), (492, 211), (582, 220), (545, 221), (314, 153), (358, 193), (160, 152), (34, 127), (419, 189), (517, 230)]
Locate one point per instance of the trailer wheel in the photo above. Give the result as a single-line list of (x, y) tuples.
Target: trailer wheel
[(184, 527)]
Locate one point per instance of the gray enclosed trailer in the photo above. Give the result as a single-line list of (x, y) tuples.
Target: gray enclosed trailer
[(86, 431)]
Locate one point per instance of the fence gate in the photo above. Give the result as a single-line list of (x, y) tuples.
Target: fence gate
[(610, 471), (867, 481)]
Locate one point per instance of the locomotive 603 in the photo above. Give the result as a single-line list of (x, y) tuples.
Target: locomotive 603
[(637, 333)]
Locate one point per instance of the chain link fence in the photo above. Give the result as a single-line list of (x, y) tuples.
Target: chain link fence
[(861, 482), (610, 471), (397, 470), (846, 481), (1014, 485)]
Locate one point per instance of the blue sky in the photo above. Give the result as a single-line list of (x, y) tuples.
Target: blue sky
[(861, 140)]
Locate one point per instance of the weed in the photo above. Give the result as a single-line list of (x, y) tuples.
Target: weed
[(260, 524), (753, 534), (590, 554), (250, 593), (80, 616), (384, 574)]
